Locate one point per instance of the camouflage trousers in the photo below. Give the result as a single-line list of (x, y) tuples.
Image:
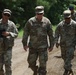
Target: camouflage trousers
[(41, 55), (5, 62), (67, 54)]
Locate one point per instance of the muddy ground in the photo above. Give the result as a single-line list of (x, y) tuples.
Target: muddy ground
[(20, 65)]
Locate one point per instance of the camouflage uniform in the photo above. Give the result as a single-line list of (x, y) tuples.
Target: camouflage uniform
[(73, 15), (6, 44), (67, 34), (73, 12), (38, 31)]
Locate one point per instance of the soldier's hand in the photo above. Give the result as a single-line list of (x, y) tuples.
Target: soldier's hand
[(50, 49), (57, 45), (5, 33), (25, 48)]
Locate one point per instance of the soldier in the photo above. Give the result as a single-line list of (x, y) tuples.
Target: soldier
[(8, 32), (73, 12), (38, 27), (66, 30)]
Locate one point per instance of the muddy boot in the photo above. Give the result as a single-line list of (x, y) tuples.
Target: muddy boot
[(42, 71), (70, 72), (35, 71)]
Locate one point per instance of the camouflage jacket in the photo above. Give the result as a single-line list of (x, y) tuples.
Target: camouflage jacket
[(74, 16), (9, 27), (66, 32), (38, 32)]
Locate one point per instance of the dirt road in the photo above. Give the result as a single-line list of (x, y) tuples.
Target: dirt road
[(20, 65)]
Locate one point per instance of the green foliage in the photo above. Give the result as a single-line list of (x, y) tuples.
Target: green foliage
[(56, 10), (22, 10), (54, 27), (20, 33)]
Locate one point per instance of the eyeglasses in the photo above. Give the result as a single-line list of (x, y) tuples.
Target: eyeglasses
[(7, 15), (67, 18), (39, 13)]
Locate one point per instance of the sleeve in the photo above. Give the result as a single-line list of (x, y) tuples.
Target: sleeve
[(57, 33), (75, 35), (14, 31), (50, 34), (25, 34)]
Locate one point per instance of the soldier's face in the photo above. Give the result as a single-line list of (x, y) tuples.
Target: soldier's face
[(6, 16), (39, 16), (67, 20)]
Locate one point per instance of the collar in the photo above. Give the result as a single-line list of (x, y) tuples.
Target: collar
[(39, 21), (66, 23), (5, 23)]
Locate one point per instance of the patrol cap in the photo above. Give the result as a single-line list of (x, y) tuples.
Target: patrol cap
[(67, 14), (39, 9), (71, 7), (7, 11)]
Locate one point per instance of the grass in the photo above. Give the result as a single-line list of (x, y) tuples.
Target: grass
[(54, 27), (21, 31)]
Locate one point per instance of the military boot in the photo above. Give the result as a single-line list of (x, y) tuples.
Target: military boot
[(65, 72), (35, 71), (70, 72), (42, 71)]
